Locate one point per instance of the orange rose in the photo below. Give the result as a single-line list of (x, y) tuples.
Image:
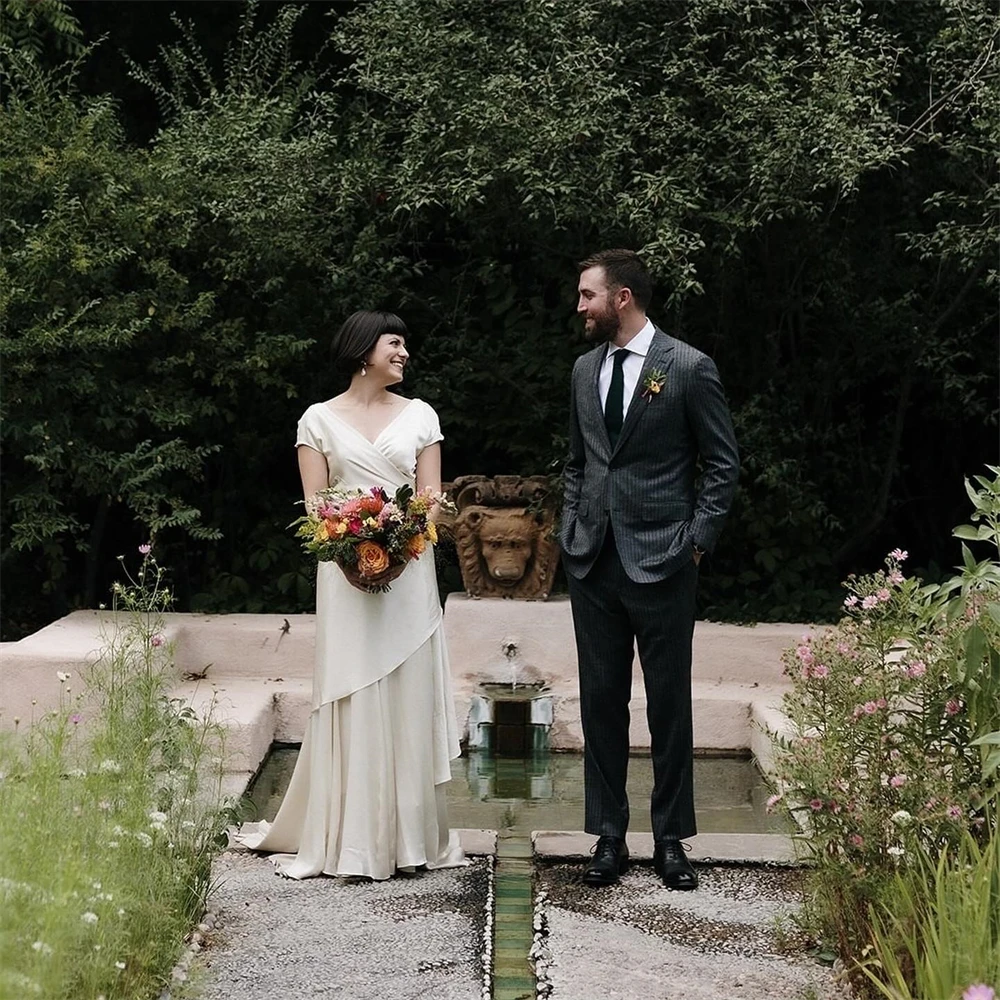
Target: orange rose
[(415, 546), (372, 559)]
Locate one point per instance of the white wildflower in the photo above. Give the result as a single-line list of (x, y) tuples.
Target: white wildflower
[(109, 766), (896, 852), (119, 965), (76, 772), (144, 838), (89, 918), (63, 676), (42, 948), (901, 817), (158, 817)]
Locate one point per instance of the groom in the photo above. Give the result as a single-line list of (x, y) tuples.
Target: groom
[(648, 416)]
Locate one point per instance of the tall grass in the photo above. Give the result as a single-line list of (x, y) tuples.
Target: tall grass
[(938, 932), (110, 813)]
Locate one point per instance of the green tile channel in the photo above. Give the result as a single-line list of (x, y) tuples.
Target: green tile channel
[(513, 906)]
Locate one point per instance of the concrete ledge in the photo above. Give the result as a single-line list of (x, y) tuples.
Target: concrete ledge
[(478, 841), (730, 847)]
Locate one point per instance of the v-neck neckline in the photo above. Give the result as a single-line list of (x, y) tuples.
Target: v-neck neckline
[(364, 437)]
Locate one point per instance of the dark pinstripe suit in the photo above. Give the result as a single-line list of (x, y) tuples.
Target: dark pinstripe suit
[(631, 518)]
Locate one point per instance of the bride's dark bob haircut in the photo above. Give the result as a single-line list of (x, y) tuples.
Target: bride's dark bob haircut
[(360, 333)]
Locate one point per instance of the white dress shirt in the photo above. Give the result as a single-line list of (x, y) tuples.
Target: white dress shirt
[(638, 348)]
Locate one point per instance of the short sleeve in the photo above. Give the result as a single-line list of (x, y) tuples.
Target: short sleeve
[(431, 427), (308, 432)]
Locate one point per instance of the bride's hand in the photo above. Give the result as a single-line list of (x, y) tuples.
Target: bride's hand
[(365, 583)]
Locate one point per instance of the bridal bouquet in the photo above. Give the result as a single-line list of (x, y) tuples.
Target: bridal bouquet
[(370, 536)]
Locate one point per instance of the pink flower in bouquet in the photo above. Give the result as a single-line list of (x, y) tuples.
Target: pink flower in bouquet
[(354, 525), (351, 507)]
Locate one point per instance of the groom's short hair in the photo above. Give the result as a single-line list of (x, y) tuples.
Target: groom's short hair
[(623, 269)]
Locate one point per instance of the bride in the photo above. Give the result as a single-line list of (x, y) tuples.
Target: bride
[(367, 797)]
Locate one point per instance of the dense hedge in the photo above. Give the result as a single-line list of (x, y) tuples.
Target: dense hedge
[(815, 186)]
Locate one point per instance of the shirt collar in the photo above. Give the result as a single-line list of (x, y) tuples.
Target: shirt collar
[(640, 343)]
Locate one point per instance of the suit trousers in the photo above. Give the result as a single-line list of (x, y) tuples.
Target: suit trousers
[(611, 615)]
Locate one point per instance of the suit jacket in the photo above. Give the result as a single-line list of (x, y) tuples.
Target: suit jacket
[(646, 485)]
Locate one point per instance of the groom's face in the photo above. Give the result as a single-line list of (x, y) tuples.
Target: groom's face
[(601, 320)]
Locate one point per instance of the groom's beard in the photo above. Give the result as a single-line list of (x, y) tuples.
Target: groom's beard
[(604, 328)]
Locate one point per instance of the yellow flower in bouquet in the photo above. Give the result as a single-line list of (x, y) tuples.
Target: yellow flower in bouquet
[(431, 532)]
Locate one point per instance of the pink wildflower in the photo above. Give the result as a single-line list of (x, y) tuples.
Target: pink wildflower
[(145, 549), (884, 595), (952, 707), (900, 555), (820, 670), (833, 805), (815, 804), (869, 602), (156, 640), (896, 577), (843, 648), (870, 708), (954, 812), (858, 681), (805, 673), (897, 781), (930, 804), (916, 669), (773, 801), (979, 991), (805, 654), (857, 840), (76, 718), (881, 703), (849, 602), (859, 710)]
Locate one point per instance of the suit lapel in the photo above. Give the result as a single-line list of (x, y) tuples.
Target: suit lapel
[(593, 376), (659, 356)]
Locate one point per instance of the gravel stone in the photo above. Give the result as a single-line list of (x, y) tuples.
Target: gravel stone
[(409, 938), (732, 937)]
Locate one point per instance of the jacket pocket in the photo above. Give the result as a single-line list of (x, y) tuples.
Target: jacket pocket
[(667, 510)]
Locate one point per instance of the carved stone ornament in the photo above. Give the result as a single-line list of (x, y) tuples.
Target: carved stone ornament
[(503, 536)]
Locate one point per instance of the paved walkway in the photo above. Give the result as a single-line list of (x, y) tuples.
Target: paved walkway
[(410, 938), (423, 937)]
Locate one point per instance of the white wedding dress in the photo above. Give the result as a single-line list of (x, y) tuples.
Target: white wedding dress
[(368, 793)]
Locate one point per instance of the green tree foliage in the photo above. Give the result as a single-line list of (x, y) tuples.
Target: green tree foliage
[(814, 186)]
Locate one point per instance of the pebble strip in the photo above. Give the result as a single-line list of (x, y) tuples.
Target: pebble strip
[(488, 929), (541, 957), (179, 973)]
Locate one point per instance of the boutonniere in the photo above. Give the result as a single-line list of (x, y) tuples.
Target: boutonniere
[(653, 383)]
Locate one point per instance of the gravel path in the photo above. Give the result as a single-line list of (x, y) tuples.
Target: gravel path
[(404, 939), (732, 938)]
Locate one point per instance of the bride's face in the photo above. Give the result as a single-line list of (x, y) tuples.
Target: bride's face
[(388, 358)]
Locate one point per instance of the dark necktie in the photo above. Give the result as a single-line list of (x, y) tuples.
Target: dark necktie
[(614, 406)]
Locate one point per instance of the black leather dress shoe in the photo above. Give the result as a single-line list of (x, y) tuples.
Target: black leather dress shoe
[(672, 865), (610, 860)]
